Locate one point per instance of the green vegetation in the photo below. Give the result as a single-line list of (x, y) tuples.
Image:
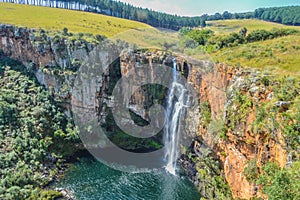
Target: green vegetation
[(239, 109), (205, 113), (85, 26), (210, 178), (35, 135), (128, 142), (248, 43), (223, 27), (278, 183), (206, 39), (271, 118), (58, 19), (199, 36), (127, 11), (251, 171), (276, 56), (289, 15)]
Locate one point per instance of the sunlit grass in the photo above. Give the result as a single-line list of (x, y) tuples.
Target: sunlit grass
[(56, 19), (279, 56), (229, 26), (53, 19), (150, 38)]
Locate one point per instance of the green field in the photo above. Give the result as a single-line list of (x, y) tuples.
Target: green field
[(229, 26), (57, 19), (279, 56), (53, 19)]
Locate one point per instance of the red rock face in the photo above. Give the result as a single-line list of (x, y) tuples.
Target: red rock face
[(237, 150)]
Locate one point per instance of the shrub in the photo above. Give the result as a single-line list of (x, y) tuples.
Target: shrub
[(251, 171), (65, 31), (280, 183)]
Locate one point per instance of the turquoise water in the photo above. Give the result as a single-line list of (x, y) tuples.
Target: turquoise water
[(90, 179)]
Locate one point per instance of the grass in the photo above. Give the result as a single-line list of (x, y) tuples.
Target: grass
[(279, 56), (229, 26), (150, 38), (54, 19)]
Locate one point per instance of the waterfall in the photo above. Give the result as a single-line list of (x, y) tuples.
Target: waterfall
[(175, 107)]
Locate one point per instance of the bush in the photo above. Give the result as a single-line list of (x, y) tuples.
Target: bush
[(31, 117), (200, 36), (280, 183), (65, 31), (205, 113), (251, 171)]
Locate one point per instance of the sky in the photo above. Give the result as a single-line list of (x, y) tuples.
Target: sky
[(199, 7)]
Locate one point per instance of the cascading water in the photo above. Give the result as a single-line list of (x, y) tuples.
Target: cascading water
[(175, 108)]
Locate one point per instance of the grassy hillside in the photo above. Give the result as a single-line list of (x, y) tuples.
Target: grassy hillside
[(54, 19), (276, 55), (229, 26), (57, 19), (279, 56)]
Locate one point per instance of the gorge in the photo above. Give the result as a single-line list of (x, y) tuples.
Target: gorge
[(227, 135)]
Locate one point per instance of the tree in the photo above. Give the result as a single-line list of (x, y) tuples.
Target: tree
[(243, 32), (203, 23), (227, 15), (65, 31)]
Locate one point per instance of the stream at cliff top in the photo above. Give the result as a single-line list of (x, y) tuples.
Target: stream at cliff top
[(90, 179)]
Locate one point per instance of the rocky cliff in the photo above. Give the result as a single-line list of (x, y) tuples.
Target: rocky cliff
[(53, 59), (227, 131), (222, 122)]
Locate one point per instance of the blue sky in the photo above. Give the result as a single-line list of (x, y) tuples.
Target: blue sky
[(199, 7)]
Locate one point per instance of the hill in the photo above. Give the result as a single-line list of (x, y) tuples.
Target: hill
[(224, 43), (56, 19), (278, 56), (235, 25)]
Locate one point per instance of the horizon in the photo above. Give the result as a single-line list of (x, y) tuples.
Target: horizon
[(195, 8)]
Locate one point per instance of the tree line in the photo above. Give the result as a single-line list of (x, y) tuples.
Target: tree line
[(285, 15)]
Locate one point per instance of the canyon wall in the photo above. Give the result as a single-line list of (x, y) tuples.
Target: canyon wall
[(53, 61), (217, 85)]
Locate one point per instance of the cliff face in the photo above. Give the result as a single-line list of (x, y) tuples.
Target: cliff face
[(219, 86), (239, 144), (231, 139), (52, 59)]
